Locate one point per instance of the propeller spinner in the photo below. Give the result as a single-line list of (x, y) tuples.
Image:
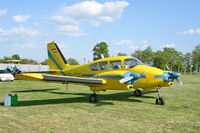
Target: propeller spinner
[(174, 75)]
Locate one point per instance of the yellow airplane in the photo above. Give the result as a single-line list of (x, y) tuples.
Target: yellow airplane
[(112, 73)]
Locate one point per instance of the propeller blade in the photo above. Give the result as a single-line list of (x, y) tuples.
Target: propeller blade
[(168, 68), (126, 79), (179, 81), (143, 73)]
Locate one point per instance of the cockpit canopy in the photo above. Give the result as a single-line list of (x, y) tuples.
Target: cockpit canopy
[(115, 64)]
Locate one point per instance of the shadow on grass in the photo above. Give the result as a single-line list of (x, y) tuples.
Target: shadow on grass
[(149, 91), (84, 98)]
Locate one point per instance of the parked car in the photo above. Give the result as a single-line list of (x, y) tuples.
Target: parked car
[(5, 75)]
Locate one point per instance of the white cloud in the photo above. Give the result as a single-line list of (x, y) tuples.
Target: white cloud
[(20, 18), (125, 42), (91, 12), (3, 12), (64, 20), (3, 39), (25, 45), (172, 45), (19, 31), (70, 30), (132, 45), (62, 46), (191, 31), (138, 47), (145, 42), (36, 24)]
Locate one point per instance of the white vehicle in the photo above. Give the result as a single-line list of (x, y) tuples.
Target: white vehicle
[(6, 76)]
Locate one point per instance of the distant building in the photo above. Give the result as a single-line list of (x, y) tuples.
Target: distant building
[(13, 61)]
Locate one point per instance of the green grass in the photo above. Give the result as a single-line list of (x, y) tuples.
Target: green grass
[(50, 108)]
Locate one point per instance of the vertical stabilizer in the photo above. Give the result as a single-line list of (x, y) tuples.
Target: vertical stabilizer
[(56, 59)]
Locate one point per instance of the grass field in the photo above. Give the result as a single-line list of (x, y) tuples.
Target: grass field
[(50, 108)]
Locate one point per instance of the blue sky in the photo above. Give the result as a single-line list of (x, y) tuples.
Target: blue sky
[(77, 25)]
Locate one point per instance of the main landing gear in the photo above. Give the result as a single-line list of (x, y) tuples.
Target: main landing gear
[(138, 93), (93, 98), (159, 100)]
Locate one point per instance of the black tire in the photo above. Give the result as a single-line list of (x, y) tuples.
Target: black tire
[(93, 98), (160, 101), (138, 93)]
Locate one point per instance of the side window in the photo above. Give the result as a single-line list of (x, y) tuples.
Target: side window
[(94, 67), (103, 65), (115, 64)]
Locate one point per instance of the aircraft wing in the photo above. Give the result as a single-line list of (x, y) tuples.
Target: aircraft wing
[(55, 78)]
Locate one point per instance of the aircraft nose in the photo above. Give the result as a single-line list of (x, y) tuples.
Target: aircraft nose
[(170, 76)]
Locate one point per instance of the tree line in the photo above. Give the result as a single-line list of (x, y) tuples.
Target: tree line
[(16, 57), (175, 60)]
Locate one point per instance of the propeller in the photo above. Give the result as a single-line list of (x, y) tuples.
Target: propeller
[(179, 81), (132, 77), (174, 75), (126, 79), (168, 68)]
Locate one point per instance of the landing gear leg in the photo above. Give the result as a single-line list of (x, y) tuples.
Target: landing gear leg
[(159, 100), (93, 97), (138, 93)]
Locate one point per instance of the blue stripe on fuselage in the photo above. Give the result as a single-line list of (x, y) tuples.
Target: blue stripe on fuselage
[(158, 76)]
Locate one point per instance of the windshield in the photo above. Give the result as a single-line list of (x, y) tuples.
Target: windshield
[(132, 62)]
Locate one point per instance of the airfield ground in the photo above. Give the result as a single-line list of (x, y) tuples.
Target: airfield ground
[(50, 108)]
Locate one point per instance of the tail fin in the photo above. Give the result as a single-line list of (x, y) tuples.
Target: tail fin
[(56, 59)]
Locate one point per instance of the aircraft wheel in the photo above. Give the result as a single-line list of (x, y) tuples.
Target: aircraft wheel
[(138, 93), (160, 101), (93, 98)]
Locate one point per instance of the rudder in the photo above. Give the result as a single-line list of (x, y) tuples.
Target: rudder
[(55, 58)]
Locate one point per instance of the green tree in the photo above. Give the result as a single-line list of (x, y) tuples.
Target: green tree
[(187, 61), (1, 60), (7, 58), (45, 62), (145, 56), (99, 49), (28, 61), (72, 61), (170, 57), (137, 54), (196, 57), (160, 60), (175, 58), (121, 54), (15, 57)]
